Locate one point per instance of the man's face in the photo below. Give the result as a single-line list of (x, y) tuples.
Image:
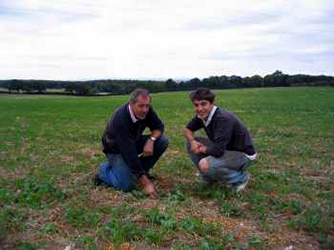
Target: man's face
[(203, 108), (141, 107)]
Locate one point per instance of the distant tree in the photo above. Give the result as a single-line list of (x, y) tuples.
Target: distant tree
[(224, 82), (15, 85), (183, 85), (70, 87), (27, 86), (195, 83), (170, 85), (128, 88), (256, 81), (83, 88), (211, 82), (39, 86), (235, 81), (110, 87), (277, 79)]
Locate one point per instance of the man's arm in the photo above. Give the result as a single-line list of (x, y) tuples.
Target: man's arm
[(148, 148), (129, 153), (157, 127), (156, 134), (196, 146), (188, 134)]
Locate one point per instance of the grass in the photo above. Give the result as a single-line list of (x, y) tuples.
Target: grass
[(50, 147)]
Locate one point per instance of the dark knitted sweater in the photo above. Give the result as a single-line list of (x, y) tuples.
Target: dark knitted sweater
[(226, 132), (121, 135)]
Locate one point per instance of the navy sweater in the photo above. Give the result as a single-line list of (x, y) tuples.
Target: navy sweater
[(121, 135)]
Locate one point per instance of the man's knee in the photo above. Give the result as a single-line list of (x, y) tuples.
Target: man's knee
[(125, 181), (203, 166), (164, 141)]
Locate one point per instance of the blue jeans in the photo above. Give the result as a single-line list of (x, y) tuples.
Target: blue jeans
[(117, 173), (228, 168)]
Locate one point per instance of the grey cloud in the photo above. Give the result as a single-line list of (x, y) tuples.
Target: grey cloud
[(6, 11), (280, 54), (304, 35), (327, 55)]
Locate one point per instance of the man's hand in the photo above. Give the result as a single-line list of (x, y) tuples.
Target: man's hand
[(195, 146), (202, 148), (148, 187), (148, 148)]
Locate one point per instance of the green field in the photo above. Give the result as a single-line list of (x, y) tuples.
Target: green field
[(50, 147)]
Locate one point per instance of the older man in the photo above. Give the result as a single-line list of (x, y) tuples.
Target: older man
[(131, 154)]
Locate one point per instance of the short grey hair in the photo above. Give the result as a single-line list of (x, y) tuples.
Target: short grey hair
[(139, 92)]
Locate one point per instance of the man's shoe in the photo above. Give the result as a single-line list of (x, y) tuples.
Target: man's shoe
[(241, 187), (96, 180)]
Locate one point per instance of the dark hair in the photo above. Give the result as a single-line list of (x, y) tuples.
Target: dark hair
[(139, 92), (202, 94)]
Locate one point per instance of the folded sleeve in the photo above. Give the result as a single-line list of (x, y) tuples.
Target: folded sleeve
[(195, 124)]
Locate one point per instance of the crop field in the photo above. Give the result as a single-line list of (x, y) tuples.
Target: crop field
[(50, 148)]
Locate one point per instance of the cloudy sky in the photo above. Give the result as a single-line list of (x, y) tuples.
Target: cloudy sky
[(155, 39)]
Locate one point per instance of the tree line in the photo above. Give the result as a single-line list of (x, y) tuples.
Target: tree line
[(115, 87)]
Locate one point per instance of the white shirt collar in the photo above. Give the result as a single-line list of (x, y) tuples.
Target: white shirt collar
[(207, 122), (133, 117)]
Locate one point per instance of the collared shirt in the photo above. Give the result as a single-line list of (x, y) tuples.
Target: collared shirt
[(207, 122), (133, 117)]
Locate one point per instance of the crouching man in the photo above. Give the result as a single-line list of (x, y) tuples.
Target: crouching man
[(228, 149), (131, 155)]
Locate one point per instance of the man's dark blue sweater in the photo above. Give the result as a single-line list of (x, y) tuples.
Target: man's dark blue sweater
[(121, 135)]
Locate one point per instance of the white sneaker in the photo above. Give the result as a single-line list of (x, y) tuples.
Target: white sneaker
[(241, 187)]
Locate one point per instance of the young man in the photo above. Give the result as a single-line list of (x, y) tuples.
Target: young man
[(228, 150), (131, 154)]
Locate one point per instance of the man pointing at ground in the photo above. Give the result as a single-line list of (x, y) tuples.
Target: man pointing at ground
[(131, 154)]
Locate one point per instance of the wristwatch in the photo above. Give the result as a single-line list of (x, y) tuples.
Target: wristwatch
[(153, 138)]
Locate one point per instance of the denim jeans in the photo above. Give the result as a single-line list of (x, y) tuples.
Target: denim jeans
[(228, 168), (117, 173)]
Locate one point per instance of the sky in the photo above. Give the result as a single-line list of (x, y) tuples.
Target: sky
[(155, 39)]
